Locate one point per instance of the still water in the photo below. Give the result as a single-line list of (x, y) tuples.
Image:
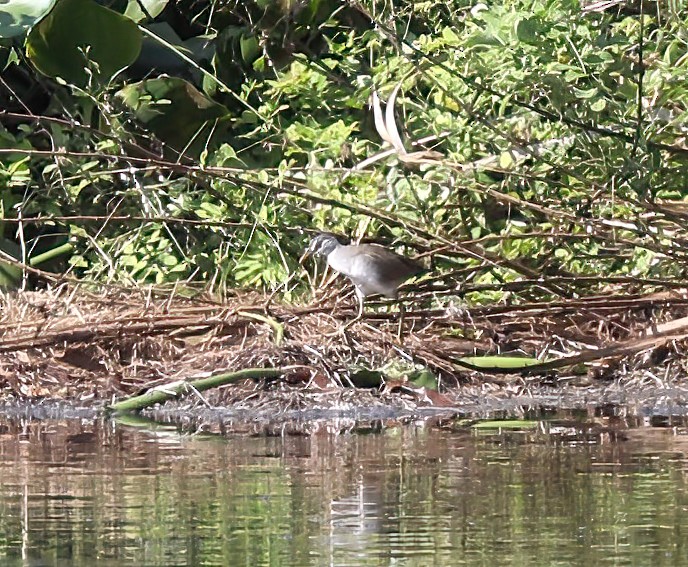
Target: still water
[(98, 492)]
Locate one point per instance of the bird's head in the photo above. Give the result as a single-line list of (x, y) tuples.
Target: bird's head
[(322, 244)]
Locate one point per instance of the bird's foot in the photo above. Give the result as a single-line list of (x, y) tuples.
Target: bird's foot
[(341, 330)]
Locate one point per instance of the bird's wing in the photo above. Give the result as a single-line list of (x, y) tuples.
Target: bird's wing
[(383, 270), (392, 264), (373, 268)]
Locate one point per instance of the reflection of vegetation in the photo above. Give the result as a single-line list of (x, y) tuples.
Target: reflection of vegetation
[(423, 496), (240, 123)]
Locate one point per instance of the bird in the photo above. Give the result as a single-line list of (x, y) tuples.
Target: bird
[(370, 267)]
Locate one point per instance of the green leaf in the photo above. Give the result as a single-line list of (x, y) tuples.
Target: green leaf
[(17, 16), (169, 260), (506, 160), (153, 7), (79, 38), (585, 93), (528, 31), (599, 105), (450, 36), (250, 48), (483, 39), (172, 108)]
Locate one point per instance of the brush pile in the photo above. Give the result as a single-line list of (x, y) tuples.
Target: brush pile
[(71, 344)]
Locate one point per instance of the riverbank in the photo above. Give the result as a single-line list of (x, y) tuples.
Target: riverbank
[(93, 349)]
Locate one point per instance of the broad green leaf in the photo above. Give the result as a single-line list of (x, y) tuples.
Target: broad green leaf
[(599, 105), (169, 260), (586, 93), (153, 8), (172, 108), (17, 16), (79, 38), (211, 211), (483, 39), (250, 48), (506, 160), (528, 31), (450, 36)]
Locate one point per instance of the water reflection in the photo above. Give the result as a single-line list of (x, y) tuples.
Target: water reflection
[(95, 492)]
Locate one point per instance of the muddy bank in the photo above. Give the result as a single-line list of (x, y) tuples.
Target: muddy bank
[(91, 349)]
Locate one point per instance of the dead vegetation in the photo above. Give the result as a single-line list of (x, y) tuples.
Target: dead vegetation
[(71, 344)]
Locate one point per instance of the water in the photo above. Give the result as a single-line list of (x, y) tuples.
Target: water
[(101, 493)]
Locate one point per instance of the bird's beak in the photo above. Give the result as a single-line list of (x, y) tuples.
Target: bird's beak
[(307, 254)]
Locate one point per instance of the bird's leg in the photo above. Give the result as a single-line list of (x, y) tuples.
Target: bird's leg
[(358, 317), (400, 329), (361, 299)]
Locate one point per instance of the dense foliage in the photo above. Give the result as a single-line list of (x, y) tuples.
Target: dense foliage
[(201, 140)]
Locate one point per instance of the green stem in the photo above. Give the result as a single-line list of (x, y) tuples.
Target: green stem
[(50, 254), (174, 390), (278, 328)]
